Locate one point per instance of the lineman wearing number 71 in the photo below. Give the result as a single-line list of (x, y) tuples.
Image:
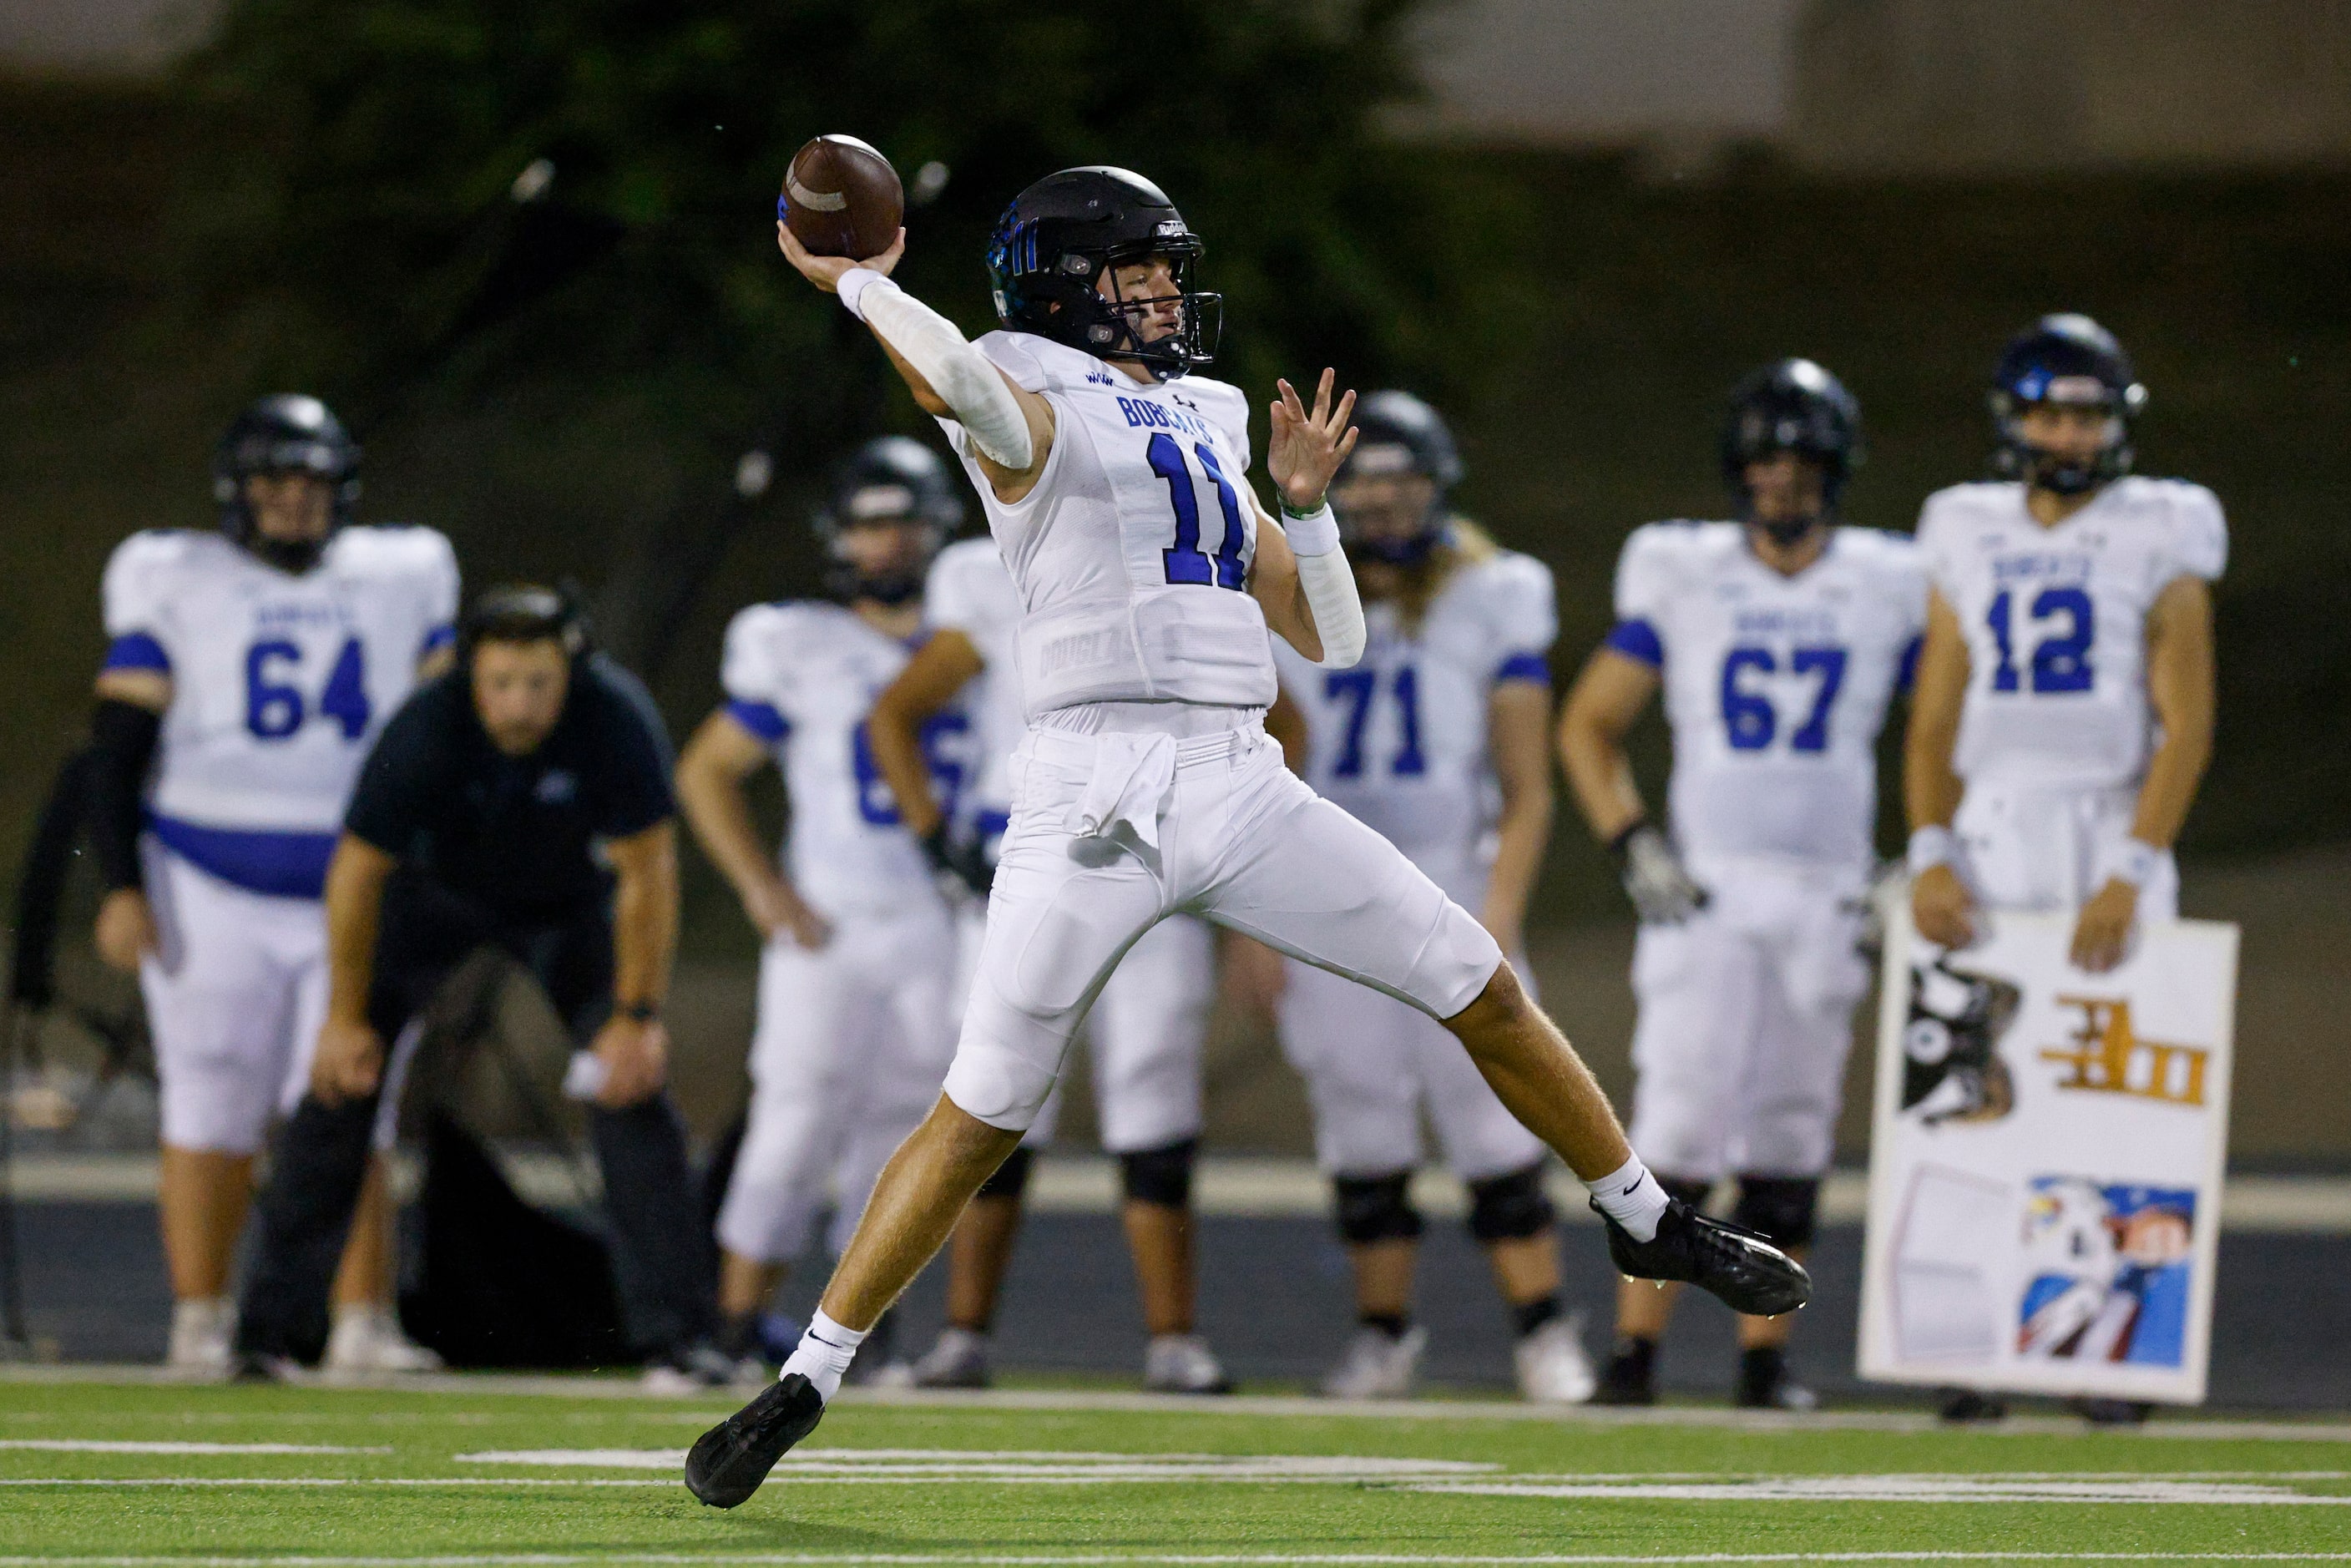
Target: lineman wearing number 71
[(1150, 578)]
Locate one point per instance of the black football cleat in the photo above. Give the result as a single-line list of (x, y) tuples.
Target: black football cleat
[(727, 1463), (1730, 1262)]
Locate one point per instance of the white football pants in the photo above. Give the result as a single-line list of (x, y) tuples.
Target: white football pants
[(1745, 1016), (852, 1040), (235, 997), (2040, 849), (1148, 1031), (1114, 832)]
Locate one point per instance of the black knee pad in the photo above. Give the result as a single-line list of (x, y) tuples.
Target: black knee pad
[(1510, 1207), (1376, 1208), (1782, 1208), (1693, 1193), (1162, 1176), (1011, 1178)]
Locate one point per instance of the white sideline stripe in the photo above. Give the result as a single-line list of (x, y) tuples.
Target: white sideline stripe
[(1903, 1488), (1224, 1186), (671, 1408), (1202, 1559), (1037, 1465), (99, 1446)]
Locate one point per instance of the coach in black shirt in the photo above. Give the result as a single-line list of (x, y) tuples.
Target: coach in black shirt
[(522, 801)]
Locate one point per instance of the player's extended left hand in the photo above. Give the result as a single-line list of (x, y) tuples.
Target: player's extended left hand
[(825, 271), (2101, 931), (1308, 447), (635, 1054)]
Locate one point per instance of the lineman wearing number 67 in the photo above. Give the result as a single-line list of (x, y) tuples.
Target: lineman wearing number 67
[(1150, 578)]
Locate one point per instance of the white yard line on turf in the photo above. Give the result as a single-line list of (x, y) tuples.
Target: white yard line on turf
[(698, 1411), (1183, 1560), (110, 1445)]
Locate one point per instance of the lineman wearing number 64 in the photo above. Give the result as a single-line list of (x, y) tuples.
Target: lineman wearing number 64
[(1146, 786)]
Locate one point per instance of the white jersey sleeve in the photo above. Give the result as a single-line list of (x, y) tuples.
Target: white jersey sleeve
[(1522, 609), (1651, 571), (2199, 533), (756, 671)]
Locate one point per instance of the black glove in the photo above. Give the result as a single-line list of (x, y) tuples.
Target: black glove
[(1661, 890), (966, 863)]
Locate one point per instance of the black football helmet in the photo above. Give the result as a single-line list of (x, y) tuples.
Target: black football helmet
[(2069, 360), (889, 479), (1047, 256), (1397, 433), (1791, 406), (285, 433)]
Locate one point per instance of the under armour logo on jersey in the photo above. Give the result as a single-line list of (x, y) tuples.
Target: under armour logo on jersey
[(556, 786)]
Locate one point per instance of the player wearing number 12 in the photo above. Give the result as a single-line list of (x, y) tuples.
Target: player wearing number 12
[(1150, 579), (249, 673), (1778, 639)]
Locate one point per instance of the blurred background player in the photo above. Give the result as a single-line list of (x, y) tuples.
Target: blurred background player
[(249, 672), (853, 1032), (522, 802), (1438, 739), (2065, 701), (1148, 1026), (1777, 641)]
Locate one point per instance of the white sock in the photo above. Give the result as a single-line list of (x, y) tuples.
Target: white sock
[(824, 1353), (1631, 1197)]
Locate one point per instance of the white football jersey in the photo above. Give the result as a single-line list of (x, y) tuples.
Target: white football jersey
[(1132, 555), (279, 683), (2055, 621), (969, 591), (1775, 686), (1399, 741), (802, 677)]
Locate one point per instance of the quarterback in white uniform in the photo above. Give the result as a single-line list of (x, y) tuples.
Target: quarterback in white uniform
[(853, 1031), (1150, 579), (1437, 740), (1148, 1027), (1777, 642), (248, 674), (2066, 697)]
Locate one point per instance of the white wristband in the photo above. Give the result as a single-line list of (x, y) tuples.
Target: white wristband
[(853, 286), (1317, 533), (2132, 861), (1931, 847)]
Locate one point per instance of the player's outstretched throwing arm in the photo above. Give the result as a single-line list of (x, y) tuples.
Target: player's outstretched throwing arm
[(1299, 577)]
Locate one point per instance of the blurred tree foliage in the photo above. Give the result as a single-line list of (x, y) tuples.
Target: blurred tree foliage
[(372, 241)]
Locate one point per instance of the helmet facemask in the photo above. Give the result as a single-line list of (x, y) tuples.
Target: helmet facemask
[(2057, 472), (880, 506), (1113, 326), (1372, 497)]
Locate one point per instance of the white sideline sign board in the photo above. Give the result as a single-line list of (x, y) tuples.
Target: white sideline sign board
[(2046, 1159)]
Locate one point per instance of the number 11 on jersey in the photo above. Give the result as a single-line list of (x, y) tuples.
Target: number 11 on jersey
[(1185, 562)]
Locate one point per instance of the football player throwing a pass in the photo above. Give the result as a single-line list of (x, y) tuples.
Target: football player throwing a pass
[(2066, 697), (249, 673), (1777, 641), (1114, 484), (1438, 739)]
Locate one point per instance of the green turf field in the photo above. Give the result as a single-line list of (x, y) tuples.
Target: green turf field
[(115, 1473)]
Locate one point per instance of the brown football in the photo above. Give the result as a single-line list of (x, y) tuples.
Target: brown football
[(842, 198)]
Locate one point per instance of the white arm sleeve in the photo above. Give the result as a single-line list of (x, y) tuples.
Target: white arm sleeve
[(982, 401), (1330, 588)]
